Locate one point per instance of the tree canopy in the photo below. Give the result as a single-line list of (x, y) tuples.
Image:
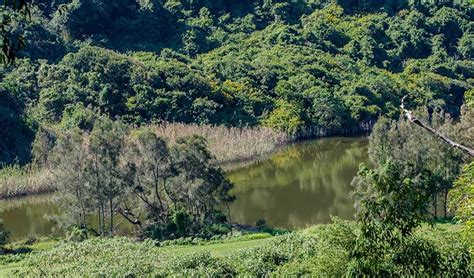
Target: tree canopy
[(304, 67)]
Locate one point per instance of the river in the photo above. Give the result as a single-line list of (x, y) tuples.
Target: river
[(300, 185)]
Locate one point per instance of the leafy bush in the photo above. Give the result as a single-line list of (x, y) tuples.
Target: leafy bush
[(461, 200), (197, 265)]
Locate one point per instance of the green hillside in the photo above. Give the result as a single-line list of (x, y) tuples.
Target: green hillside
[(308, 68), (124, 111)]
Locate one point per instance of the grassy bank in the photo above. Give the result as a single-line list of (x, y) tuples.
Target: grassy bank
[(227, 144), (321, 250)]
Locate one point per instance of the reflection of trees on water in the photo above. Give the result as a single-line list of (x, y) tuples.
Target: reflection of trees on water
[(303, 184), (32, 216), (26, 216)]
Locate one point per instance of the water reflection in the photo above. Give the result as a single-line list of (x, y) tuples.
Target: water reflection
[(29, 217), (299, 186)]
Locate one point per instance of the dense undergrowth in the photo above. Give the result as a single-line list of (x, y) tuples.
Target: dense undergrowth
[(321, 250)]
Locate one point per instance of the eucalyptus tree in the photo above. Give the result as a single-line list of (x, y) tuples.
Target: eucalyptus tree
[(201, 187), (148, 165), (70, 163), (106, 144), (181, 191), (418, 154), (87, 172)]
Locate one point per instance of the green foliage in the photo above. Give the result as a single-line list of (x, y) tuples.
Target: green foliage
[(77, 116), (432, 165), (461, 200), (285, 117), (320, 251), (385, 198), (393, 199), (318, 67), (4, 235), (110, 172)]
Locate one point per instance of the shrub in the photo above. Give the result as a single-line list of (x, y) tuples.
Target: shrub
[(286, 117), (200, 264), (4, 235)]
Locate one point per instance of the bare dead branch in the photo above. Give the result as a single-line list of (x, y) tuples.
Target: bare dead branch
[(413, 119), (129, 216)]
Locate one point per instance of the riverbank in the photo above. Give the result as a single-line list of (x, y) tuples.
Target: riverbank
[(231, 147), (16, 181), (298, 185), (227, 144)]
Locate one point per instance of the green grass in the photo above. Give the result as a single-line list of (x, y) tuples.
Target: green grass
[(217, 249), (10, 263), (321, 250)]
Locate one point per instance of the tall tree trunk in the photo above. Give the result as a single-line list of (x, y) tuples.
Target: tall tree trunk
[(168, 193), (229, 220), (100, 223), (446, 190), (102, 209), (111, 202)]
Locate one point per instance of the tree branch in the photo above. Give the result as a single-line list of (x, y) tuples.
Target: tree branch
[(413, 119), (129, 216)]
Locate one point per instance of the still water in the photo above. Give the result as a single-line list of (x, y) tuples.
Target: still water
[(300, 185)]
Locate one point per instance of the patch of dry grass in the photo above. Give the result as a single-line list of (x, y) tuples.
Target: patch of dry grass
[(16, 181), (228, 144)]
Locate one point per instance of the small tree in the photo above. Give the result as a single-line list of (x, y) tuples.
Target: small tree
[(88, 173), (106, 143), (180, 189), (70, 162), (416, 152), (462, 202), (148, 166)]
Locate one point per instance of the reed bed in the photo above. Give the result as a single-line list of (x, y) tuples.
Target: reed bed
[(16, 181), (228, 144)]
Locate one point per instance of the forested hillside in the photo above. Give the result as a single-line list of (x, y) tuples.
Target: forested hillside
[(304, 67), (124, 113)]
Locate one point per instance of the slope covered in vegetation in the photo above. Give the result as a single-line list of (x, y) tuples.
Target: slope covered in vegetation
[(304, 67), (319, 250), (94, 96)]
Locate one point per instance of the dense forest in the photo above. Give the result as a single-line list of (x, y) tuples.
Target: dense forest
[(303, 67), (126, 109)]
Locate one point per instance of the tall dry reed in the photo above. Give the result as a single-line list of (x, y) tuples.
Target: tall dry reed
[(16, 181), (228, 144)]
